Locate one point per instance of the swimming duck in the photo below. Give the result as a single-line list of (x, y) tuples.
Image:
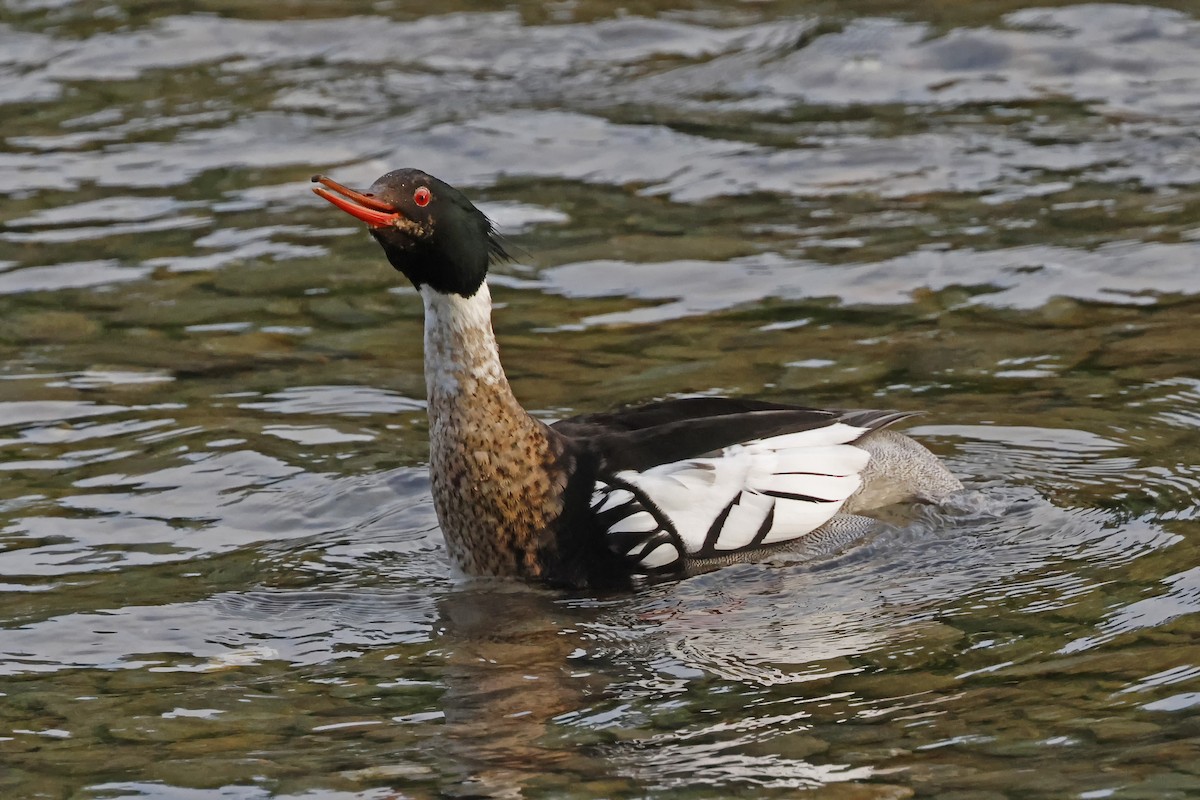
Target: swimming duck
[(661, 490)]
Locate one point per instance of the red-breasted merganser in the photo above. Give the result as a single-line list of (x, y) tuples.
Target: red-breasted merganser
[(660, 490)]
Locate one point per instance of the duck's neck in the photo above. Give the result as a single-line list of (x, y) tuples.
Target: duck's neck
[(462, 360), (492, 465)]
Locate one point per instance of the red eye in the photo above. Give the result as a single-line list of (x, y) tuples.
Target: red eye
[(422, 196)]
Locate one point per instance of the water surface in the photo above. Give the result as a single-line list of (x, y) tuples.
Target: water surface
[(220, 571)]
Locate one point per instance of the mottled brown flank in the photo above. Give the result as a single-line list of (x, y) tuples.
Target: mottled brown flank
[(497, 478)]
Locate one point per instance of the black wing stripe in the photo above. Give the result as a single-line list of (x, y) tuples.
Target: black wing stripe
[(617, 513), (603, 496), (652, 542), (763, 530), (626, 543), (807, 498), (659, 539), (637, 545), (716, 529)]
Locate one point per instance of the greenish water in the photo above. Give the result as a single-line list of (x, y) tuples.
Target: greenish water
[(220, 571)]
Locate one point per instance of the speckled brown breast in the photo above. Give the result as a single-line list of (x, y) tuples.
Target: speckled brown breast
[(498, 488)]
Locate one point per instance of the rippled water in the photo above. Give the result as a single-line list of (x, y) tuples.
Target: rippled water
[(220, 571)]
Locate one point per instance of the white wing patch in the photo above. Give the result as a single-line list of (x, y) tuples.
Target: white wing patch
[(749, 495), (634, 531)]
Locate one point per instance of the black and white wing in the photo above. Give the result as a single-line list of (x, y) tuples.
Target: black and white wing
[(750, 495)]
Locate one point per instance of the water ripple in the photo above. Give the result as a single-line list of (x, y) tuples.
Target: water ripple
[(1018, 278)]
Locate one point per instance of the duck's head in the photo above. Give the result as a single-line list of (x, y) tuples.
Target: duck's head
[(428, 229)]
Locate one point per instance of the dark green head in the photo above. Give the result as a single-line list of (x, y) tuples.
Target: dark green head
[(428, 229)]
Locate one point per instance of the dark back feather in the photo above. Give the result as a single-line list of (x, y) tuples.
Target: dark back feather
[(645, 436)]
